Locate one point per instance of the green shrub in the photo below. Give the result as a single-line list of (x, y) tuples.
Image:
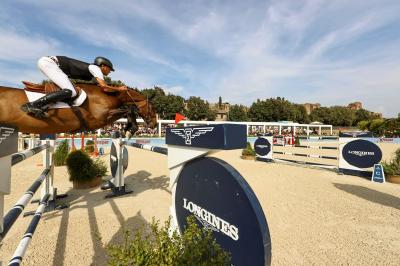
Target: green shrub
[(61, 153), (89, 147), (249, 151), (82, 168), (196, 246), (393, 167)]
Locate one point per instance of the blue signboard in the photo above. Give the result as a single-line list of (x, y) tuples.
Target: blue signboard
[(378, 175), (361, 153), (262, 146), (221, 200), (223, 137)]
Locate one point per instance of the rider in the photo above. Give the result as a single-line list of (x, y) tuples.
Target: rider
[(59, 69)]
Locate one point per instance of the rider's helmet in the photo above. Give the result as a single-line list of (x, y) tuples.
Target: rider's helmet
[(103, 61)]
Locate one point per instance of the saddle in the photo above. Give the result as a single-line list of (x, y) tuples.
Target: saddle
[(46, 88)]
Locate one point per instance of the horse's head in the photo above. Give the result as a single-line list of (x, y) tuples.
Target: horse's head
[(143, 107)]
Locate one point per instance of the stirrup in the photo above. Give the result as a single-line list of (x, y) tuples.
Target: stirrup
[(35, 111)]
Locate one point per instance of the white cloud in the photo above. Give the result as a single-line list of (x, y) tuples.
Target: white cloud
[(173, 89), (132, 79), (19, 47)]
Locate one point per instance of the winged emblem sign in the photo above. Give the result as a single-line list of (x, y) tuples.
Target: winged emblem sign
[(190, 133), (5, 132)]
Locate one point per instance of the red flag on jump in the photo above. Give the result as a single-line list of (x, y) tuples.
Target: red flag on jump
[(179, 117)]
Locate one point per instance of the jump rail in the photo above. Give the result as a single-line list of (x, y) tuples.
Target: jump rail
[(157, 149), (17, 209), (20, 156), (318, 137), (26, 239), (306, 155), (309, 147)]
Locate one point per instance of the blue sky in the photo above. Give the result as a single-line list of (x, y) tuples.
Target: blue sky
[(331, 52)]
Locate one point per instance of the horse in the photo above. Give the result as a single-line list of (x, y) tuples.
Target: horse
[(98, 110)]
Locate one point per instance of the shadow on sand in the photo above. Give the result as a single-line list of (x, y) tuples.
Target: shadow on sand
[(370, 195), (78, 199)]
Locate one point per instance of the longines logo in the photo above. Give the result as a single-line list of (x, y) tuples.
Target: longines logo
[(354, 134), (362, 153), (262, 146), (5, 132), (190, 133), (210, 220)]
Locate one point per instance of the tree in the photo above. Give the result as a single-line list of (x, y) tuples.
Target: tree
[(166, 105), (300, 114), (377, 127), (363, 125), (322, 114), (361, 115), (342, 116), (169, 105), (277, 109), (392, 127), (237, 113), (197, 109), (220, 102)]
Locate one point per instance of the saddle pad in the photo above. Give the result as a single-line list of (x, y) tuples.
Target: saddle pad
[(32, 96)]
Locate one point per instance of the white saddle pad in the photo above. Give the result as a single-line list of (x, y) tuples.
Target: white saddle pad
[(33, 96)]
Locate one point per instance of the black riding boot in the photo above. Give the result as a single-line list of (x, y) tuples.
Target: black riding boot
[(36, 107)]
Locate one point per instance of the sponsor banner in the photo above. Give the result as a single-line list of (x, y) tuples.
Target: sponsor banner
[(8, 140), (378, 175), (222, 201), (262, 146), (361, 153), (224, 136), (356, 134)]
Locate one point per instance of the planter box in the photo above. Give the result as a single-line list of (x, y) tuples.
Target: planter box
[(95, 182), (248, 157), (393, 179)]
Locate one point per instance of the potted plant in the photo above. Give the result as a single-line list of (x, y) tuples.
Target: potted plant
[(392, 168), (248, 153), (84, 172)]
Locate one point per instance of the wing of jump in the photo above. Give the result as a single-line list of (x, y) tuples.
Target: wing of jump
[(200, 131), (179, 132), (5, 132)]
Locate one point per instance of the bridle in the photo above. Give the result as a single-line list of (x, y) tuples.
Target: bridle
[(138, 104)]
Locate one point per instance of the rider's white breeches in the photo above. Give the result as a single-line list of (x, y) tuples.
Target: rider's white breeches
[(53, 72)]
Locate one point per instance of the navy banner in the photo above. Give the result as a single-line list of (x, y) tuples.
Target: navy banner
[(262, 146), (223, 136), (356, 134), (361, 153), (221, 200)]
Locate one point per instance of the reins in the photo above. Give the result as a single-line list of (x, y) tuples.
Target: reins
[(136, 102)]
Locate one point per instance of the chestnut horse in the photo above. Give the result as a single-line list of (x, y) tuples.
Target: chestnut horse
[(98, 110)]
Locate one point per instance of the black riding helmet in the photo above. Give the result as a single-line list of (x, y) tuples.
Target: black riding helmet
[(103, 61)]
